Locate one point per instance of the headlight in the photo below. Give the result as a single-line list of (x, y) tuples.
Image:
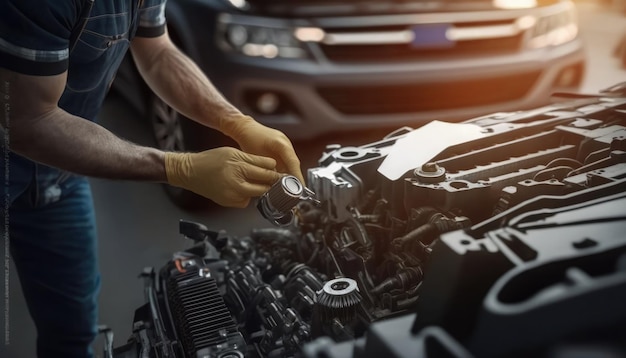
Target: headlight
[(239, 4), (554, 29), (252, 39), (515, 4)]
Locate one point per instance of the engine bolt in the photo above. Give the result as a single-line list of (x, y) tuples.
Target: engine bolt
[(430, 173), (430, 167)]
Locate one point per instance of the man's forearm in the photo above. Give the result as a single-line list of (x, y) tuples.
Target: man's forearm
[(180, 82), (80, 146)]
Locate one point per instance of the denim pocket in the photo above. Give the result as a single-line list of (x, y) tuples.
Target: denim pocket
[(101, 32), (103, 38)]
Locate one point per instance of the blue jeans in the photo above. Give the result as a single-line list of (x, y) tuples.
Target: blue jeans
[(53, 245)]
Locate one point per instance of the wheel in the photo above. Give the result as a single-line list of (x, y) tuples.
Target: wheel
[(166, 126), (174, 132)]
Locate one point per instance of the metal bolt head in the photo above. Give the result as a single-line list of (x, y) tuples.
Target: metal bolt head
[(430, 167), (430, 173)]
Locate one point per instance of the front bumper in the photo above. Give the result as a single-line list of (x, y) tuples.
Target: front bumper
[(471, 87)]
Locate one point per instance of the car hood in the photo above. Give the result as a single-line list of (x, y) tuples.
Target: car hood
[(314, 8)]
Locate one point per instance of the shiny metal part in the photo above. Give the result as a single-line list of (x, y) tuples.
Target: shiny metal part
[(277, 204), (346, 173)]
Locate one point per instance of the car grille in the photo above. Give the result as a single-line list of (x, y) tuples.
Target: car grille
[(418, 97), (402, 52)]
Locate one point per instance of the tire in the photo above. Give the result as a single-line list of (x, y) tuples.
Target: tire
[(174, 132)]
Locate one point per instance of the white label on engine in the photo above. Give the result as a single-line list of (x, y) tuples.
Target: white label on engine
[(423, 144)]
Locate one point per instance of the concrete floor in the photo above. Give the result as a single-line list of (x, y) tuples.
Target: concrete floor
[(138, 224)]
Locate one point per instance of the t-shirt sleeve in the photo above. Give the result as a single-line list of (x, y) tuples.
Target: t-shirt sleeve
[(151, 18), (34, 35)]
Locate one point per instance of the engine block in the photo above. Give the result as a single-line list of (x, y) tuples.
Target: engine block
[(507, 243)]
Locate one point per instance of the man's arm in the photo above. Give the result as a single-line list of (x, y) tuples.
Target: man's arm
[(179, 82), (40, 130)]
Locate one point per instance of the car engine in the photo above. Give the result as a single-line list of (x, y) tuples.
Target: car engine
[(504, 235)]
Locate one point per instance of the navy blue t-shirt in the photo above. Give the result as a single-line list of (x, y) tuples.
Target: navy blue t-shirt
[(36, 35)]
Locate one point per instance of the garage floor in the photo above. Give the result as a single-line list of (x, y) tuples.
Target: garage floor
[(138, 224)]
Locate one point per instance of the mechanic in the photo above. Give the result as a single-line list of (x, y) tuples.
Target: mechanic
[(57, 61)]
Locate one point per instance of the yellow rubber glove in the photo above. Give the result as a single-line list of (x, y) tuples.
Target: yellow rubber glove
[(255, 138), (225, 175)]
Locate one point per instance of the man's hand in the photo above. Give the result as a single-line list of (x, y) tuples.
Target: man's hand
[(225, 175), (258, 139)]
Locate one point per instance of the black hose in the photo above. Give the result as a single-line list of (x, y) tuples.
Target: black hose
[(421, 216), (404, 280), (421, 233), (427, 233)]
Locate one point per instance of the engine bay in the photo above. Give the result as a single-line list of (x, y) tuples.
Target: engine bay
[(503, 235)]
